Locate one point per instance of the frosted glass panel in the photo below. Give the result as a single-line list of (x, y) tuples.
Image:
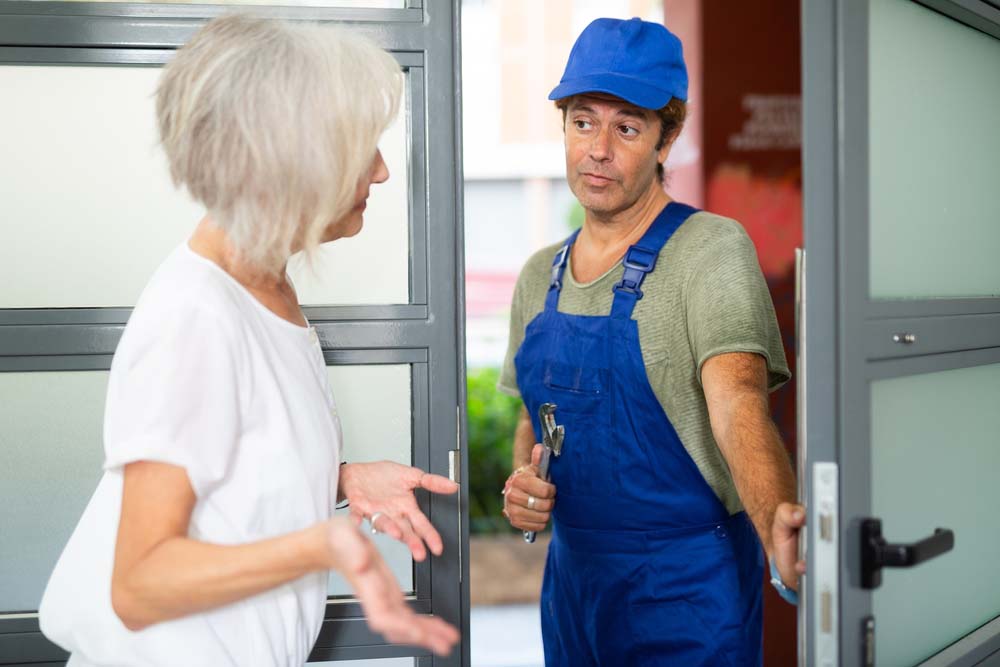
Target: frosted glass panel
[(935, 457), (89, 212), (51, 453), (935, 208), (381, 252), (374, 403), (87, 206)]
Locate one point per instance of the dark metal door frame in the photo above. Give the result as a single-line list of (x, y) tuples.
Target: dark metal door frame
[(427, 332)]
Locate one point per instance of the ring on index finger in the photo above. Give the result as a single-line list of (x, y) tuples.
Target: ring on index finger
[(371, 522), (531, 502)]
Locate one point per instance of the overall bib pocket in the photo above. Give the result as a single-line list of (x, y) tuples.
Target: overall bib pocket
[(589, 465)]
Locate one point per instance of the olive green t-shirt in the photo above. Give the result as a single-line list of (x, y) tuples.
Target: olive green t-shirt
[(706, 296)]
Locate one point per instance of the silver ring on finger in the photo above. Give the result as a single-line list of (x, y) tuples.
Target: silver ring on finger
[(531, 502), (371, 522)]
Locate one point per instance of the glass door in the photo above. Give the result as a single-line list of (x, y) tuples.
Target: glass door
[(900, 320), (87, 212)]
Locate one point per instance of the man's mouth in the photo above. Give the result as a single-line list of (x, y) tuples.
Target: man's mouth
[(595, 179)]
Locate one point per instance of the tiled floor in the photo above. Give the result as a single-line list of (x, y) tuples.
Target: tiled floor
[(506, 636)]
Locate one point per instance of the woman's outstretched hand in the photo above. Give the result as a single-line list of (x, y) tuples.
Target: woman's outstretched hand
[(354, 556), (386, 489)]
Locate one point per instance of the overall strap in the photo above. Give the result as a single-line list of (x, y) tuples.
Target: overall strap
[(558, 268), (641, 257)]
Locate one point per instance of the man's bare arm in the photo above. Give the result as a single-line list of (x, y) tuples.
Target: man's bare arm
[(736, 392), (524, 439)]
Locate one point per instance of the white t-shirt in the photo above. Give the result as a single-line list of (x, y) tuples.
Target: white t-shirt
[(205, 377)]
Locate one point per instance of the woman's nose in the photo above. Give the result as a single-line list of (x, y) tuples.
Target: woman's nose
[(380, 172)]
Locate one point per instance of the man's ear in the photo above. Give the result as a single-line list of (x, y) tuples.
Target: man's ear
[(661, 155)]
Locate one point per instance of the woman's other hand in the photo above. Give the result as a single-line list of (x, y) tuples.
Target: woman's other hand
[(386, 488), (354, 556)]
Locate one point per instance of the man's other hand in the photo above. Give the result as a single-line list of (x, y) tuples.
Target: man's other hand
[(788, 522)]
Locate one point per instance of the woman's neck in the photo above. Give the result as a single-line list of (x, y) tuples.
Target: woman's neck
[(273, 291)]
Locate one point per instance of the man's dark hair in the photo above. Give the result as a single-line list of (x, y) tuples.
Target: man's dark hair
[(671, 118)]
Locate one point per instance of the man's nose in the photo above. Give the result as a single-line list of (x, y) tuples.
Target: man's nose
[(600, 147)]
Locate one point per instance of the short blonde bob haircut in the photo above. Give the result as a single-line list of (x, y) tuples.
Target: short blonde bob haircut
[(271, 126)]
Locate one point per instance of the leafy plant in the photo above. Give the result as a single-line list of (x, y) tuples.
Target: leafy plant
[(492, 418)]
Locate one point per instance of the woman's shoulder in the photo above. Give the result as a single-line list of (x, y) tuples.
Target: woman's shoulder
[(186, 288)]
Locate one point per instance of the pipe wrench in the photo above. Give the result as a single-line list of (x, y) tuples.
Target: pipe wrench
[(552, 441)]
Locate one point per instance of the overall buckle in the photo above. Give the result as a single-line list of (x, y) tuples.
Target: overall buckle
[(638, 262), (640, 259), (629, 286), (557, 267)]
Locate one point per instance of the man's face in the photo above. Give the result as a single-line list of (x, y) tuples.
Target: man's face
[(611, 153)]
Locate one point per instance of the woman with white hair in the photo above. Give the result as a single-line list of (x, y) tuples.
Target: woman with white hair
[(209, 538)]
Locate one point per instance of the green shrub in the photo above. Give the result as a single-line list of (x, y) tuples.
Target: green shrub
[(492, 418)]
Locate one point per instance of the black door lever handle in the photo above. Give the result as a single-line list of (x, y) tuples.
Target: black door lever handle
[(876, 553)]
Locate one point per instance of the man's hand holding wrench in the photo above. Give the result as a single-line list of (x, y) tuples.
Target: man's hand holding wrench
[(528, 495)]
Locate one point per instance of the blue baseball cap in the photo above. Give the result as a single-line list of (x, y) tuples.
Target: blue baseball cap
[(638, 61)]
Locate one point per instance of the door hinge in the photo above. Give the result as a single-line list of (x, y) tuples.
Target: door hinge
[(455, 475), (868, 641), (455, 465)]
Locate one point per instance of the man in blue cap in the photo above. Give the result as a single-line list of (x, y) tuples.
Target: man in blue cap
[(653, 331)]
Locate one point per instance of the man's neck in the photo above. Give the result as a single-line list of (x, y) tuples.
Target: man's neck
[(604, 239), (604, 233)]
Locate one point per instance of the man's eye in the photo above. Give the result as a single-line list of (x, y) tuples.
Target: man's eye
[(629, 131), (582, 124)]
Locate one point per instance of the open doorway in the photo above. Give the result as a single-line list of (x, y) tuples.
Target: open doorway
[(738, 156)]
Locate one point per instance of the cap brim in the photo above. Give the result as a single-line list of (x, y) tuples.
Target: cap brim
[(635, 91)]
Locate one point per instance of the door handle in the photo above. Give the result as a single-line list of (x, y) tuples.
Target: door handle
[(876, 553)]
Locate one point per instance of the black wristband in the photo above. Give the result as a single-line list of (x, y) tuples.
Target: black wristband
[(345, 503)]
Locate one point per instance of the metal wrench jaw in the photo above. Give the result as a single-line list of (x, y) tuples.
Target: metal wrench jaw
[(547, 419), (557, 440), (549, 451)]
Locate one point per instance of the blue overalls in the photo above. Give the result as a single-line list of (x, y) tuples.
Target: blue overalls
[(646, 566)]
